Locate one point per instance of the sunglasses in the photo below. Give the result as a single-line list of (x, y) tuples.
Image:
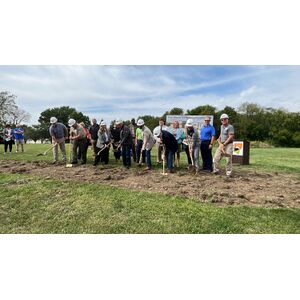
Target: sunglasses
[(206, 120), (223, 119)]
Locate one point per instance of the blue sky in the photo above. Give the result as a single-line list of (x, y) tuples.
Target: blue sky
[(111, 92)]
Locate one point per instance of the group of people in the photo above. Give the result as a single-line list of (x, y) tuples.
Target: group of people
[(13, 136), (137, 140)]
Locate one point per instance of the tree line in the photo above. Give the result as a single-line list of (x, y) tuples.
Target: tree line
[(252, 122)]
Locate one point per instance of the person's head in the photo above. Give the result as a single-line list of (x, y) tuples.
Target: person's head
[(102, 126), (82, 124), (72, 123), (133, 121), (119, 123), (175, 124), (94, 121), (189, 123), (161, 122), (140, 123), (53, 120), (8, 126), (207, 120), (18, 125), (224, 119)]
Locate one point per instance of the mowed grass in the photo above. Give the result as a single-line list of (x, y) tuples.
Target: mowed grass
[(265, 159), (35, 205)]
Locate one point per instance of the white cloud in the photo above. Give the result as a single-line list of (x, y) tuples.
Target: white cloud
[(127, 91)]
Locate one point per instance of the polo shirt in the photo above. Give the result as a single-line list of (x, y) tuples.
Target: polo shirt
[(207, 132)]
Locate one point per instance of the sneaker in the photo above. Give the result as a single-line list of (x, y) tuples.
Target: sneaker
[(215, 172), (147, 169), (228, 174)]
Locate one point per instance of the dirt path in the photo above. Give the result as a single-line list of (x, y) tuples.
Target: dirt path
[(249, 188)]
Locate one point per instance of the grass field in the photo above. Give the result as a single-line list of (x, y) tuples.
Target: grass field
[(34, 205), (268, 159)]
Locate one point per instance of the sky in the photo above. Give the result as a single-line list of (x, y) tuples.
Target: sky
[(110, 92)]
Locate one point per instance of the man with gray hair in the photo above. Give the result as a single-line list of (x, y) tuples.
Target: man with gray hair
[(94, 135), (225, 148), (59, 133)]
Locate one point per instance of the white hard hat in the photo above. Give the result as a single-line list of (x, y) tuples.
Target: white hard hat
[(119, 121), (71, 122), (53, 120), (189, 123), (224, 116), (102, 123), (140, 122)]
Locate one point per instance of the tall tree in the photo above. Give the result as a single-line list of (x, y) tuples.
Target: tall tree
[(63, 114), (202, 110)]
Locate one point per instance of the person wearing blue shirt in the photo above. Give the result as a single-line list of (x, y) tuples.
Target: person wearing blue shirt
[(19, 137), (207, 136)]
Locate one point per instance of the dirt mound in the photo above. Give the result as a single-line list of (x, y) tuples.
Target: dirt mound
[(249, 188)]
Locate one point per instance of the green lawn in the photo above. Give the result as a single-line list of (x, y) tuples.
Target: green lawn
[(266, 159), (34, 205)]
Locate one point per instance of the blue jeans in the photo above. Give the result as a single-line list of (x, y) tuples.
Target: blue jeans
[(139, 151), (170, 156), (126, 149), (148, 158)]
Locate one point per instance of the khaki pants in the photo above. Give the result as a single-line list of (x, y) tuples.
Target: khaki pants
[(228, 149), (62, 146), (19, 142)]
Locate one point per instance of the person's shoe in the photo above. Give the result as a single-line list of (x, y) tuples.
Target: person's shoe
[(74, 162), (215, 172), (228, 174), (159, 162), (17, 151), (147, 169), (54, 163), (171, 171)]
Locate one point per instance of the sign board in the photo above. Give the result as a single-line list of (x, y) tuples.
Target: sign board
[(198, 120), (238, 148)]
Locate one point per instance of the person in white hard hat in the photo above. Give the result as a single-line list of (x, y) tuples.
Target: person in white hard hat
[(148, 142), (59, 133), (94, 128), (192, 141), (102, 146), (78, 139), (225, 148)]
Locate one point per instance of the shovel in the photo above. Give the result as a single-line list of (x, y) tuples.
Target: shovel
[(69, 165), (164, 161), (45, 153)]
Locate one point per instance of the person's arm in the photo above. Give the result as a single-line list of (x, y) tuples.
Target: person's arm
[(213, 136)]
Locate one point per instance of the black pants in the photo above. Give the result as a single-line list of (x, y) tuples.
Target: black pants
[(117, 152), (133, 151), (187, 151), (102, 157), (8, 144), (206, 155), (138, 152)]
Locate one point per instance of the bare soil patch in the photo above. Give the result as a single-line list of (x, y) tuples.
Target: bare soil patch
[(246, 187)]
